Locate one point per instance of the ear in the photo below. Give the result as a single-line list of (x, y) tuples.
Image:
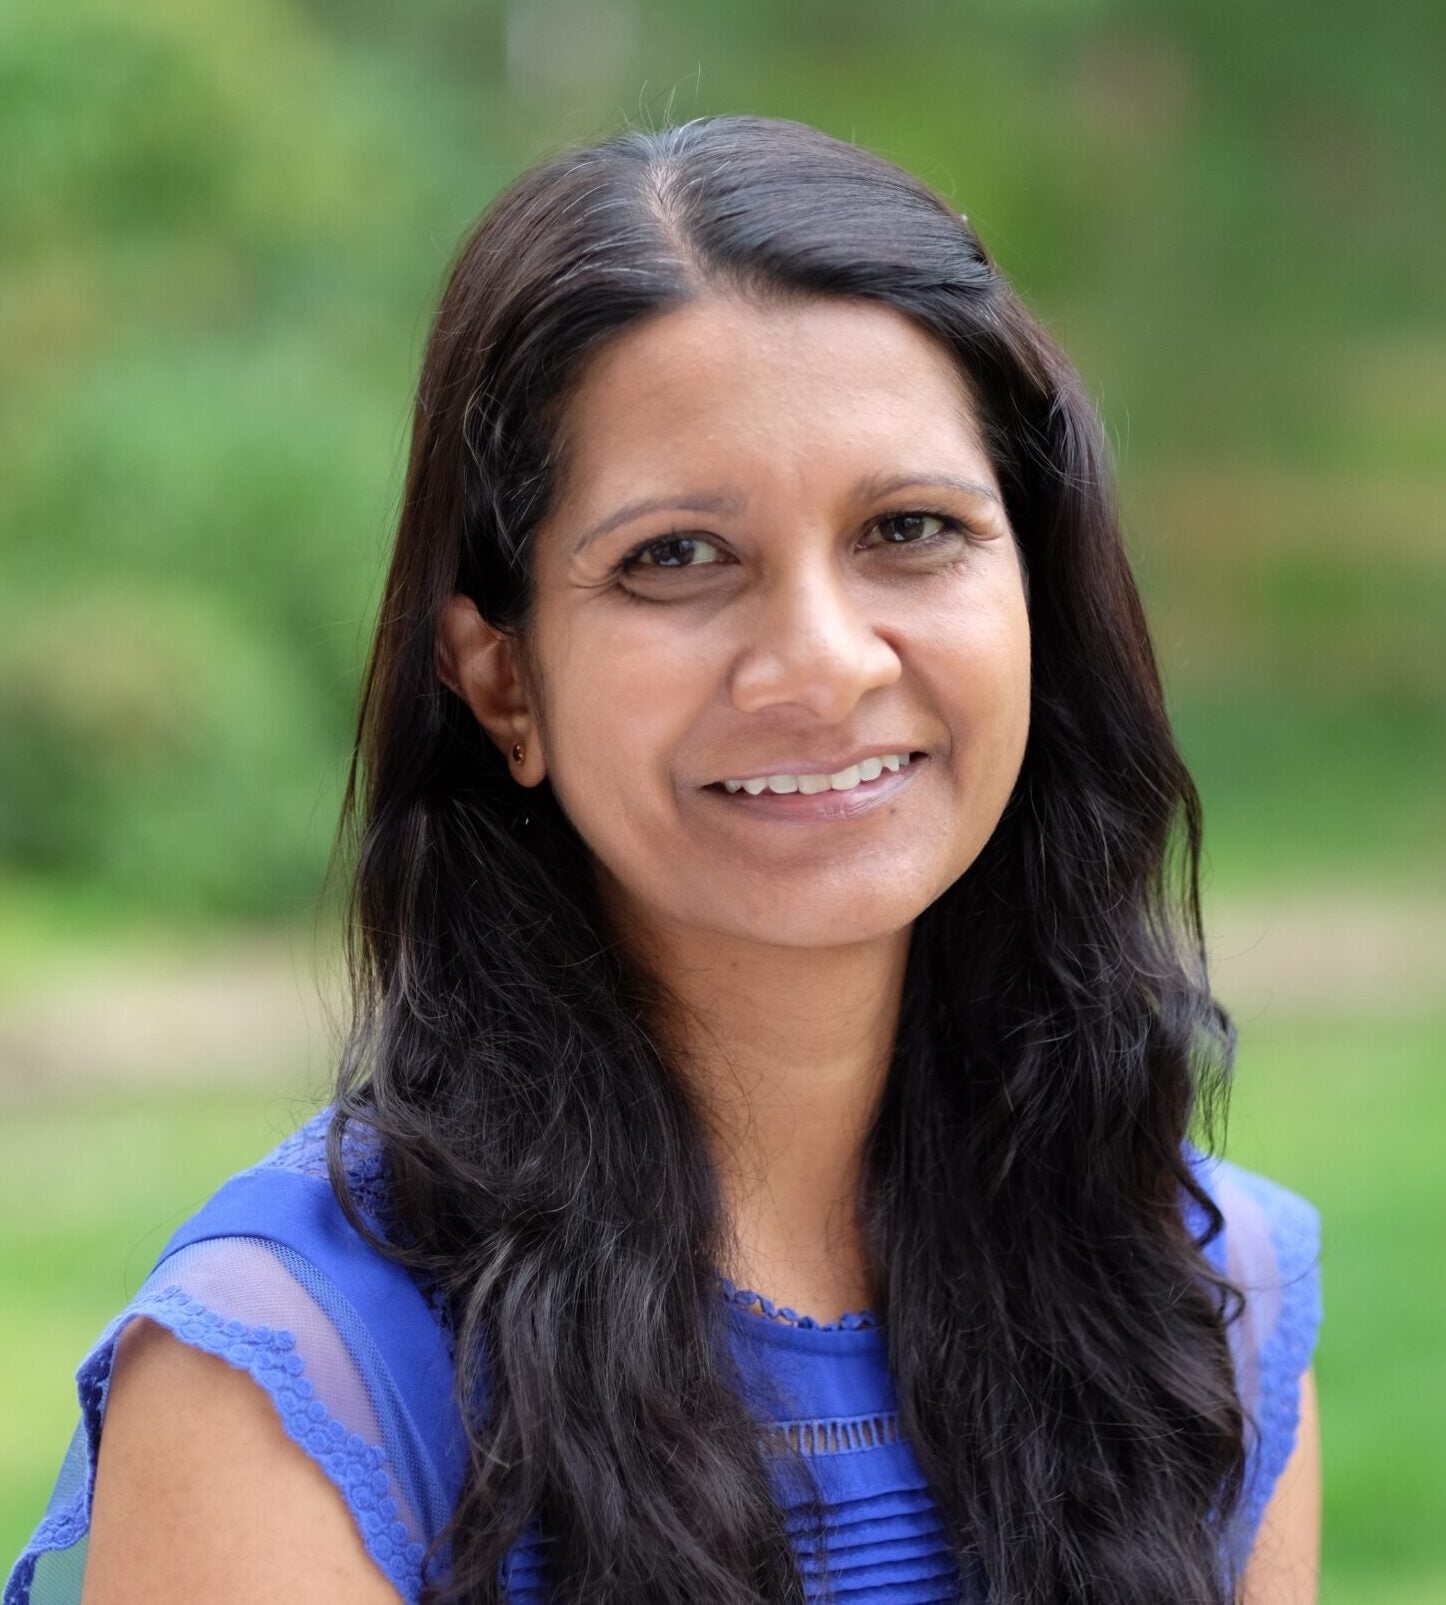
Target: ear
[(483, 665)]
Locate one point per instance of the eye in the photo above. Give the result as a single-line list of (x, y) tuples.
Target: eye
[(671, 551), (911, 528)]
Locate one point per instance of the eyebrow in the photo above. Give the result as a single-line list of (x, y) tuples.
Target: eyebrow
[(696, 501), (870, 488)]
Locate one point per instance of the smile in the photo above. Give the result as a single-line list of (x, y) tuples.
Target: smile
[(861, 773), (852, 791)]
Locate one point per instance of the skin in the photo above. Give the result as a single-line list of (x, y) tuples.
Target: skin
[(1284, 1566), (174, 1522), (800, 623)]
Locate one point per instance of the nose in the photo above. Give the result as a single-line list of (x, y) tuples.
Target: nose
[(812, 644)]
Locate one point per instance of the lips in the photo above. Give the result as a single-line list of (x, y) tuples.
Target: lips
[(805, 807), (840, 773)]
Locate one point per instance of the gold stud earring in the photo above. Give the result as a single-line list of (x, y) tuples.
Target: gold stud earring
[(519, 752)]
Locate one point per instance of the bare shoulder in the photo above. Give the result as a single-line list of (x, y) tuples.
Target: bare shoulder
[(200, 1494), (1284, 1567)]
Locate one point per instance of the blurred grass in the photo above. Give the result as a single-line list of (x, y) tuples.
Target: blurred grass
[(91, 1187), (1349, 1112)]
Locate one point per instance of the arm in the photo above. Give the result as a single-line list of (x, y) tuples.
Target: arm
[(1284, 1567), (200, 1495)]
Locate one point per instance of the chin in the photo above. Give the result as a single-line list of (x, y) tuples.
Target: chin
[(821, 925)]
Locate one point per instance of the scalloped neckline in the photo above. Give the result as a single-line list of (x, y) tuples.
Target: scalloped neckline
[(782, 1315)]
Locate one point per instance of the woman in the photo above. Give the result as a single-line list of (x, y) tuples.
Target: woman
[(764, 800)]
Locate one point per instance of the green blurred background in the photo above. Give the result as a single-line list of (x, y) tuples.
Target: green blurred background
[(222, 231)]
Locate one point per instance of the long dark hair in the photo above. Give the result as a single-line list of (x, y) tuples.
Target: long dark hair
[(1057, 1337)]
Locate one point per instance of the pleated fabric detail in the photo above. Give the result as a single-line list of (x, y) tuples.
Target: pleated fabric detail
[(884, 1540)]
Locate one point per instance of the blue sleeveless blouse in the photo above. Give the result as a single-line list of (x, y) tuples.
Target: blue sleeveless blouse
[(356, 1361)]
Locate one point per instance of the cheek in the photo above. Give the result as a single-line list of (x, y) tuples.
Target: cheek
[(1007, 653), (974, 652), (618, 703), (974, 665), (1002, 664)]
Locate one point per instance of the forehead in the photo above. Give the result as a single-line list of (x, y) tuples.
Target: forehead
[(801, 390)]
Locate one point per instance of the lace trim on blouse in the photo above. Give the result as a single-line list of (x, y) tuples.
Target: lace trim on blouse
[(850, 1321)]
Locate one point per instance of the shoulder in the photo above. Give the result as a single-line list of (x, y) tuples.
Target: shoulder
[(201, 1494), (273, 1249), (1269, 1248), (278, 1313), (1268, 1228), (1284, 1562)]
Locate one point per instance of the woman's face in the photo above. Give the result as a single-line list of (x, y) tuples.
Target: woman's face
[(780, 555)]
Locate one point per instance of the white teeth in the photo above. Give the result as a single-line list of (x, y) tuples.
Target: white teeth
[(845, 780)]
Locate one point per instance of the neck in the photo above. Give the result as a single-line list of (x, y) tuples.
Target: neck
[(786, 1051)]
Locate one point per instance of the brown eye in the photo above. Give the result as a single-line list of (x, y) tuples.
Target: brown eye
[(912, 529), (672, 551)]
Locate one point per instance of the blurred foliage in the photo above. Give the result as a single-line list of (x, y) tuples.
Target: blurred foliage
[(223, 227)]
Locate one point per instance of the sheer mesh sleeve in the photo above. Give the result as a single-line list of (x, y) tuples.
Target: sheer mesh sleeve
[(367, 1398), (1270, 1249)]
